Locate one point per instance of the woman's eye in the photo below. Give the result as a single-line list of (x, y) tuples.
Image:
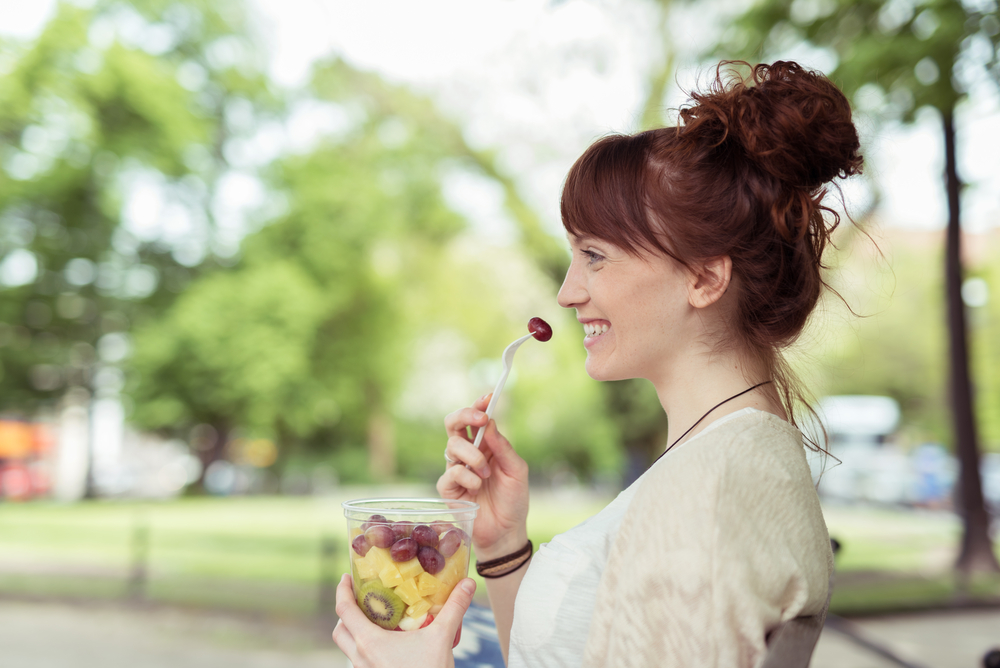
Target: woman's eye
[(592, 257)]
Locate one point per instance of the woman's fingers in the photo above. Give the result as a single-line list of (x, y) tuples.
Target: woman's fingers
[(462, 452), (458, 481), (345, 641), (348, 611), (455, 423), (504, 456)]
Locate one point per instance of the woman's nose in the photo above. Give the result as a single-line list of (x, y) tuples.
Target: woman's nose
[(572, 292)]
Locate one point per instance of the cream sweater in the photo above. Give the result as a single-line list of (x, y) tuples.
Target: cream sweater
[(720, 544)]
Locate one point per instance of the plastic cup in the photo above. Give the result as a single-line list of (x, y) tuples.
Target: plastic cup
[(407, 555)]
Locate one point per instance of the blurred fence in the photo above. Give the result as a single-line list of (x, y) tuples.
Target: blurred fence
[(129, 555)]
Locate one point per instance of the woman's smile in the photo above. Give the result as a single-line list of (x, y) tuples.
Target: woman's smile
[(594, 330)]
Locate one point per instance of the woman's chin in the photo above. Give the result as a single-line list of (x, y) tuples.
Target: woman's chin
[(604, 372)]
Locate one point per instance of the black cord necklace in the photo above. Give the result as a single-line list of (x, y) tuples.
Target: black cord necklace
[(740, 394)]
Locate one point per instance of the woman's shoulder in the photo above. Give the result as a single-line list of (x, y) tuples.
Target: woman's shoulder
[(753, 438)]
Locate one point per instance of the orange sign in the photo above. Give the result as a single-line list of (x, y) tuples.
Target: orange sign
[(17, 439)]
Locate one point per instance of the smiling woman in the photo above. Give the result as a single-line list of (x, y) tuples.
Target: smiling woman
[(697, 258)]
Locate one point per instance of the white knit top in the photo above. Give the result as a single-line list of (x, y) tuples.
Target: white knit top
[(569, 597)]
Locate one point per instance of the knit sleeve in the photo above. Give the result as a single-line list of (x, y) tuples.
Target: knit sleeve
[(724, 541)]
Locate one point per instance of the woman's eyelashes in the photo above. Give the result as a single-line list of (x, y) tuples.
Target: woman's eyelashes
[(592, 256)]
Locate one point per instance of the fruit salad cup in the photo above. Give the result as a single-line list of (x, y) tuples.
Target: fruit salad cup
[(407, 555)]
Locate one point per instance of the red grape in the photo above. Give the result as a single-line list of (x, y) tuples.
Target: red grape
[(425, 536), (442, 527), (540, 329), (380, 535), (402, 529), (361, 544), (403, 549), (373, 520), (430, 559), (450, 542)]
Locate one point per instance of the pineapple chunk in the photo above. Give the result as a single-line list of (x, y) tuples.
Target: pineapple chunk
[(365, 569), (390, 576), (379, 557), (408, 592), (410, 569), (441, 595), (419, 608), (355, 532), (455, 567), (427, 584)]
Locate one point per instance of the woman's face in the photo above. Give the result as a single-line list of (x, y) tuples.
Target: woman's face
[(634, 310)]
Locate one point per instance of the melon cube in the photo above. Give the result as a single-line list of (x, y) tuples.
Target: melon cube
[(408, 592), (390, 576), (410, 569), (427, 584), (419, 608), (411, 624)]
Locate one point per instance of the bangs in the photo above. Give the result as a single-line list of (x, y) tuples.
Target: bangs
[(606, 198)]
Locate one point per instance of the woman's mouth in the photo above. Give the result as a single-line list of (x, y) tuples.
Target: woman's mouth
[(595, 329)]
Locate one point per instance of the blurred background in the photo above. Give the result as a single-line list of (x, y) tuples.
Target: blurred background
[(253, 251)]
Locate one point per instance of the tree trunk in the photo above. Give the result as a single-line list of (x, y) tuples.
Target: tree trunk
[(976, 554), (209, 451)]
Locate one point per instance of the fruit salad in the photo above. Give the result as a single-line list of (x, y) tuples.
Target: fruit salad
[(404, 569)]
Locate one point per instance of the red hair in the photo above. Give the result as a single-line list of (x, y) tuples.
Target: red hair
[(743, 174)]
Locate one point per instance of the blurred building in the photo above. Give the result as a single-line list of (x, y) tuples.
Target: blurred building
[(872, 468)]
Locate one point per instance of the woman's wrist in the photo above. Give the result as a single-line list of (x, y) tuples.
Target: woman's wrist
[(507, 564), (507, 544)]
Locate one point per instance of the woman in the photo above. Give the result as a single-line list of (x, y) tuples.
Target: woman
[(697, 259)]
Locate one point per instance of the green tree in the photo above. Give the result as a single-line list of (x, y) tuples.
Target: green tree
[(303, 340), (105, 99), (912, 54)]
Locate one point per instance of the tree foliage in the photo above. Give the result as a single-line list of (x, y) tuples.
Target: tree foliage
[(103, 98)]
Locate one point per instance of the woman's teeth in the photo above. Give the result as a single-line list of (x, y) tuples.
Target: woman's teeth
[(594, 329)]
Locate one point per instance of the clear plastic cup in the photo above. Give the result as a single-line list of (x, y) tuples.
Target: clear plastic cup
[(407, 555)]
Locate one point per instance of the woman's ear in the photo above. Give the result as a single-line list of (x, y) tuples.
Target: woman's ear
[(709, 280)]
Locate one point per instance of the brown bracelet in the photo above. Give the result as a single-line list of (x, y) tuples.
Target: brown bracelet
[(497, 568)]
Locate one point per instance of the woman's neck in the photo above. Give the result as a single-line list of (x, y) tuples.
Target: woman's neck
[(689, 393)]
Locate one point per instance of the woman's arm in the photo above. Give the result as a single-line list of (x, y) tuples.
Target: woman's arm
[(495, 477), (503, 590)]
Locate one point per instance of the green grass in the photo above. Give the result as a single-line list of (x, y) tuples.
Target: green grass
[(257, 554), (265, 554)]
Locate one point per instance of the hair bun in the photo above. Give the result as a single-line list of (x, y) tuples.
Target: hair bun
[(793, 123)]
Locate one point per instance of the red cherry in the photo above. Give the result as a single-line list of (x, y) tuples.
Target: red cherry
[(540, 329)]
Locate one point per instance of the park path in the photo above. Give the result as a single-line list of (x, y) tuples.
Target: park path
[(76, 635)]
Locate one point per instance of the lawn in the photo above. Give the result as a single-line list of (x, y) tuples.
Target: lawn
[(259, 554), (283, 555)]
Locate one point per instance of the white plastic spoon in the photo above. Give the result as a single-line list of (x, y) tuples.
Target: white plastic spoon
[(508, 361)]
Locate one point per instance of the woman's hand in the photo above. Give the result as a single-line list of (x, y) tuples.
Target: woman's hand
[(368, 645), (494, 476)]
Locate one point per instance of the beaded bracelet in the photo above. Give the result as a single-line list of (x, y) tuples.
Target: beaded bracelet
[(497, 568)]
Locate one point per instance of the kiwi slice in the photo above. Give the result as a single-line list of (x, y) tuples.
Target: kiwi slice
[(381, 605)]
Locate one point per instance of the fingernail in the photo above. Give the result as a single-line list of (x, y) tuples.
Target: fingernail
[(468, 586), (483, 398), (479, 415), (486, 472)]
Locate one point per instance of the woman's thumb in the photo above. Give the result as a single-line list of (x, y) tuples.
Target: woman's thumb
[(454, 608)]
